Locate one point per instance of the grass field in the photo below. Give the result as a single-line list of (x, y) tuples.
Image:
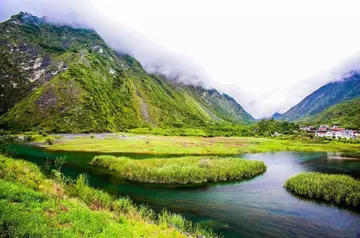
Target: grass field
[(184, 170), (176, 145), (32, 205), (337, 189)]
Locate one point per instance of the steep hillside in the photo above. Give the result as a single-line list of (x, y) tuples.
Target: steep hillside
[(326, 96), (64, 79), (346, 113), (220, 106)]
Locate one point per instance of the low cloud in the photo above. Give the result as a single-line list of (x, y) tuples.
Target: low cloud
[(297, 92), (153, 57)]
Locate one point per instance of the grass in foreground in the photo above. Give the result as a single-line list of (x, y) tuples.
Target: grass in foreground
[(337, 189), (185, 170), (175, 145), (32, 205)]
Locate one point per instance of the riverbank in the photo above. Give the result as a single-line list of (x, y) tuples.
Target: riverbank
[(249, 208), (184, 170), (36, 206), (177, 145)]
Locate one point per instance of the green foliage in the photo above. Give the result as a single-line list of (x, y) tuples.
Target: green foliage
[(184, 170), (99, 91), (50, 141), (207, 145), (338, 189), (59, 162), (269, 127), (325, 97), (345, 113), (5, 141), (46, 168), (263, 128), (29, 138), (33, 206), (92, 197)]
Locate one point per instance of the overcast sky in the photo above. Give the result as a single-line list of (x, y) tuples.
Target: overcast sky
[(268, 55)]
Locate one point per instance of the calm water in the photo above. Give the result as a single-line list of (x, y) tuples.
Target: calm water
[(255, 208)]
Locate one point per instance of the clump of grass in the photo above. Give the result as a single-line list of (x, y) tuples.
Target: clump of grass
[(185, 170), (96, 199), (337, 189)]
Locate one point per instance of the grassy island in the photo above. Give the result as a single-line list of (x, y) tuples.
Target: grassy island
[(33, 205), (337, 189), (184, 170)]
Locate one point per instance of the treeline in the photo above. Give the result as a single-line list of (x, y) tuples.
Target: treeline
[(263, 128)]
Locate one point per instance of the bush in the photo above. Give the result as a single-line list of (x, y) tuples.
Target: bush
[(43, 133), (29, 138), (50, 141), (5, 141)]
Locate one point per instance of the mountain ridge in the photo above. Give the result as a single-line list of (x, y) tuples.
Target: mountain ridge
[(64, 79), (324, 97), (345, 113)]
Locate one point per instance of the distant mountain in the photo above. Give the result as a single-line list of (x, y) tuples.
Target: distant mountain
[(64, 79), (346, 113), (276, 115), (325, 97)]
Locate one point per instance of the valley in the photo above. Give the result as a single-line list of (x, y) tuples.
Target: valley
[(94, 144)]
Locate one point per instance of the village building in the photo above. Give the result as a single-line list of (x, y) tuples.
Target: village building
[(336, 132)]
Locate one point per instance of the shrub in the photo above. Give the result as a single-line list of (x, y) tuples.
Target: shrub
[(5, 141), (29, 138), (50, 140)]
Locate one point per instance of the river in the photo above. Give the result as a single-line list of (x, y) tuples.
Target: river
[(259, 207)]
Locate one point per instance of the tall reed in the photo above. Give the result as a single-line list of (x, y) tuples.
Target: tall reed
[(337, 189), (184, 170)]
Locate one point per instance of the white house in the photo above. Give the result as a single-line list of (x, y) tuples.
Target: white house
[(338, 134), (329, 134)]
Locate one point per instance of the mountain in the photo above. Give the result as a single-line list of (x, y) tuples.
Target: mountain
[(325, 97), (346, 113), (276, 115), (64, 79)]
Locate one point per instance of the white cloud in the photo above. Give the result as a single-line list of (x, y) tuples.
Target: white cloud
[(266, 54)]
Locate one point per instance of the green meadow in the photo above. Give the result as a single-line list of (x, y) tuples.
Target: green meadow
[(180, 145), (185, 170)]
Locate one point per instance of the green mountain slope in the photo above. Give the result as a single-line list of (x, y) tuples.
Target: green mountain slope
[(346, 113), (65, 79), (324, 97)]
